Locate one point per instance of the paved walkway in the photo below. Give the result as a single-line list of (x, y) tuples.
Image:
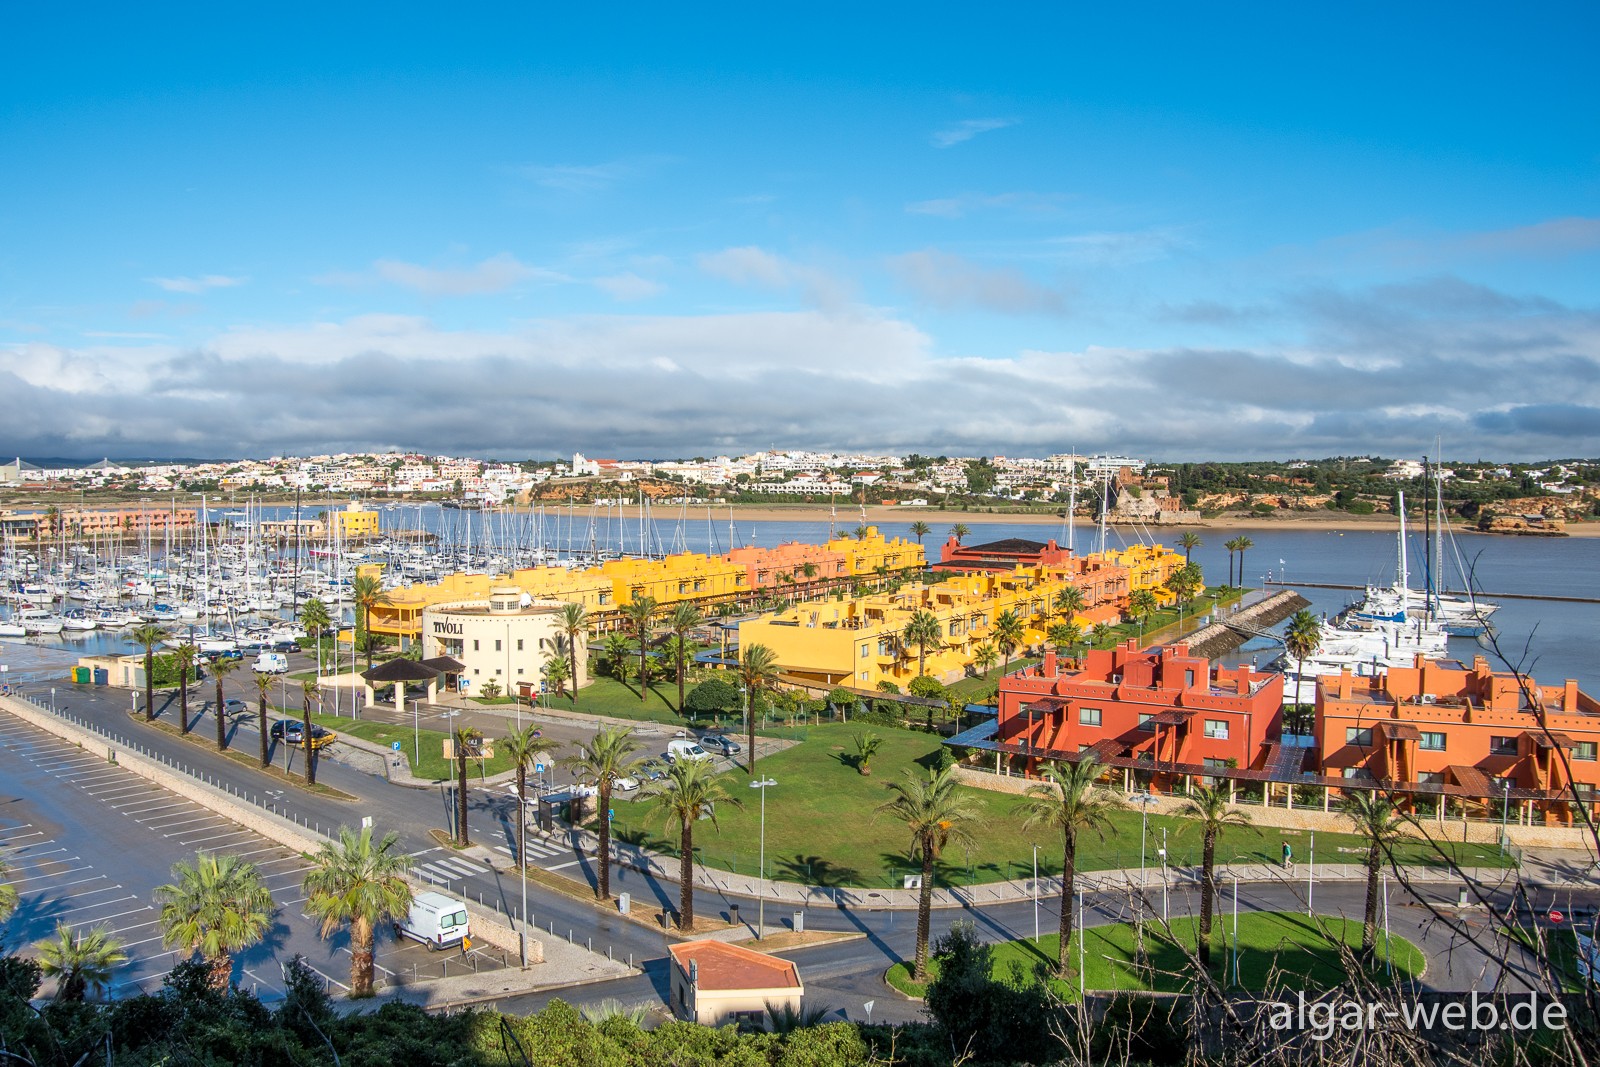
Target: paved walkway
[(564, 965), (1553, 868)]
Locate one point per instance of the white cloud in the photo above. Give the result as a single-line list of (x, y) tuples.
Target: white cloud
[(950, 282), (629, 286), (967, 129), (494, 275), (752, 266), (197, 285)]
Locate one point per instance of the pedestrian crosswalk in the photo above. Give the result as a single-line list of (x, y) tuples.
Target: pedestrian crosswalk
[(538, 850), (447, 869)]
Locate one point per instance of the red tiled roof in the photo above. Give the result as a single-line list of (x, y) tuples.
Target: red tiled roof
[(1399, 731), (723, 966)]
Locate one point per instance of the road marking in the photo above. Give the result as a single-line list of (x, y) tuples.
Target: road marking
[(430, 873), (218, 837), (79, 779), (91, 892), (106, 796), (166, 803), (140, 910), (51, 768), (456, 864), (207, 817), (564, 866), (75, 870)]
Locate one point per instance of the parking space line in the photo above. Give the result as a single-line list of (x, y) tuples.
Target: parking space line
[(141, 909), (22, 854), (207, 817), (75, 870), (162, 796), (51, 768), (218, 837), (91, 892)]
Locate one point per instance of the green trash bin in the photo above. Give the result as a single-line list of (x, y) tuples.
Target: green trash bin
[(81, 675)]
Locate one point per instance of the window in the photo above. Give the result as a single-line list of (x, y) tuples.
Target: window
[(1584, 750), (474, 644), (519, 644), (1431, 778), (866, 651), (497, 644), (1188, 683), (1217, 729), (1215, 764), (1502, 746), (1358, 772), (1089, 716), (1358, 735), (1432, 741), (1144, 721), (1084, 748)]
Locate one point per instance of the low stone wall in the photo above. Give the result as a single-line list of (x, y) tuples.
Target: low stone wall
[(486, 925), (1483, 833)]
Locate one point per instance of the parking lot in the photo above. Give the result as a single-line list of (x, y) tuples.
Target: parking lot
[(88, 843)]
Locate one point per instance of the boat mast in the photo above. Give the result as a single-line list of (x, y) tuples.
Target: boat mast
[(1400, 505), (1427, 545)]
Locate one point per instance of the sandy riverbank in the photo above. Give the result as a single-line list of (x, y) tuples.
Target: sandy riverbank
[(847, 518)]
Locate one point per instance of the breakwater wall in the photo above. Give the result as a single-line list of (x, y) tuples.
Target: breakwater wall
[(1220, 637)]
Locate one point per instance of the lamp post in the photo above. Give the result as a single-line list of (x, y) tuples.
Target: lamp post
[(1035, 894), (1163, 874), (1311, 872), (1505, 810), (761, 892)]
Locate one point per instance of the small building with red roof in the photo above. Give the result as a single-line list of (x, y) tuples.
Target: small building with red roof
[(714, 983)]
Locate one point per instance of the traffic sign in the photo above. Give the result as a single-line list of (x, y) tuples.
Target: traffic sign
[(611, 813), (394, 746), (539, 768), (1556, 916)]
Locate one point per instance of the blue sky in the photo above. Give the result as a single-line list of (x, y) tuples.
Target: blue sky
[(1266, 231)]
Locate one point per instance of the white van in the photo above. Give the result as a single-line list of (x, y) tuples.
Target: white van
[(677, 750), (271, 663), (435, 919)]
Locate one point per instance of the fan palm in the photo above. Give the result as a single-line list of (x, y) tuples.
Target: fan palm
[(920, 529), (984, 657), (1210, 809), (263, 687), (575, 618), (1232, 545), (922, 630), (81, 964), (366, 591), (936, 815), (1244, 542), (149, 636), (308, 693), (216, 906), (466, 741), (556, 674), (640, 612), (684, 617), (1070, 602), (526, 747), (1101, 633), (1068, 802), (1008, 635), (184, 656), (691, 791), (609, 756), (356, 881), (958, 531), (1141, 605), (1377, 822), (758, 669), (1065, 636), (221, 668)]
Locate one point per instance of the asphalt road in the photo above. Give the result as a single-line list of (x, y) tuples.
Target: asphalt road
[(845, 975)]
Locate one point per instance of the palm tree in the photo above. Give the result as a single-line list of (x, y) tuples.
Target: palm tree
[(1068, 801), (1302, 637), (467, 739), (366, 591), (219, 669), (1065, 635), (1008, 635), (984, 657), (526, 747), (639, 612), (1185, 584), (1070, 602), (922, 630), (617, 652), (185, 658), (920, 529), (1141, 605), (684, 617), (556, 674), (758, 669), (1210, 808), (315, 618), (81, 964), (263, 687), (691, 791), (216, 906), (936, 815), (308, 692), (1232, 545), (1189, 541), (606, 758), (1101, 633), (574, 617), (355, 881), (8, 893), (1244, 543), (958, 531), (149, 636), (861, 533), (1375, 820), (867, 745)]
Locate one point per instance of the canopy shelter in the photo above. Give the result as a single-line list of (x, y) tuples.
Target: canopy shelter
[(401, 672)]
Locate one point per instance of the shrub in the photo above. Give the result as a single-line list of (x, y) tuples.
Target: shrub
[(924, 686), (712, 695)]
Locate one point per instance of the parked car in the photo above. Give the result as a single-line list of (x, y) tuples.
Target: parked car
[(677, 750), (235, 707), (285, 646), (292, 732), (652, 769), (624, 783), (722, 746)]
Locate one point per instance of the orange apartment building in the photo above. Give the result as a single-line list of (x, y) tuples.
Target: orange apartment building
[(784, 567), (1159, 715), (1440, 728)]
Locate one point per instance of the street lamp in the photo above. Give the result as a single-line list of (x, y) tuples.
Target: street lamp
[(1163, 852), (1505, 810), (761, 890), (1035, 894)]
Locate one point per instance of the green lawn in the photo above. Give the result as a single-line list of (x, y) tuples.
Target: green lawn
[(432, 765), (822, 828), (1289, 943)]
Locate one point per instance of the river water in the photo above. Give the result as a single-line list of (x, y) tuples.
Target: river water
[(1553, 640)]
